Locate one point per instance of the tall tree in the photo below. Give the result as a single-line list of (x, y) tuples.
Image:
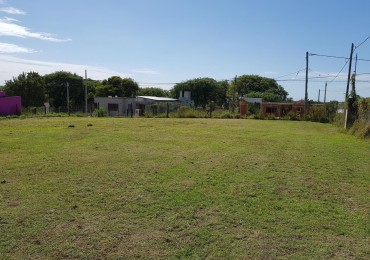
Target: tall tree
[(203, 91), (257, 86), (232, 96), (157, 92), (129, 87), (30, 86), (56, 88), (116, 86)]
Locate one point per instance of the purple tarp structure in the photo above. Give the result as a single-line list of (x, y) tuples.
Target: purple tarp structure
[(10, 105)]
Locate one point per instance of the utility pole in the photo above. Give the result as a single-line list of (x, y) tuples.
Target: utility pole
[(318, 98), (326, 85), (86, 93), (348, 80), (68, 98), (306, 86), (349, 70), (233, 97)]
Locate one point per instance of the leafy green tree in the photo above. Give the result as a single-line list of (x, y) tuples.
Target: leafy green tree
[(91, 88), (232, 96), (30, 86), (156, 92), (116, 86), (257, 86), (222, 89), (352, 103), (129, 87), (266, 96), (56, 88), (203, 91), (110, 87)]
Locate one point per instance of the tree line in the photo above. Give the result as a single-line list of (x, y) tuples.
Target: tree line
[(36, 89)]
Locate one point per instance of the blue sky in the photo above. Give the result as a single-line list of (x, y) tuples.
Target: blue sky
[(159, 42)]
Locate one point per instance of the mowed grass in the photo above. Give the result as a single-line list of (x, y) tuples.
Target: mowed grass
[(182, 188)]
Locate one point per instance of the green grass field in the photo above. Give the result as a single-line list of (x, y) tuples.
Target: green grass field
[(182, 188)]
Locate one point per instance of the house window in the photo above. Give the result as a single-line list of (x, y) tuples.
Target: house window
[(299, 109), (112, 107), (271, 110)]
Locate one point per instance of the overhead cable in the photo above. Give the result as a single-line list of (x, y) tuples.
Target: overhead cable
[(358, 46)]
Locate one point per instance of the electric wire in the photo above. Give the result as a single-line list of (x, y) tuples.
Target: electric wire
[(339, 72), (335, 57), (358, 46), (296, 72)]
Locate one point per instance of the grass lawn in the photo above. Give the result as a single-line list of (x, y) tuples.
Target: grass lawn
[(182, 188)]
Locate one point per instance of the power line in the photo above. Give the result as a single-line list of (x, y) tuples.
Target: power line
[(335, 57), (324, 77), (322, 81), (279, 80), (296, 72), (339, 72), (321, 75), (328, 56), (292, 73), (358, 46)]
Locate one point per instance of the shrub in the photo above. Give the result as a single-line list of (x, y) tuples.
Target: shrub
[(364, 109), (331, 110), (270, 117), (317, 113), (226, 115), (149, 115), (187, 112), (101, 112), (360, 129), (293, 116)]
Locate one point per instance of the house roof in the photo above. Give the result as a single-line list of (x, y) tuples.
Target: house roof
[(262, 102), (252, 100), (159, 99)]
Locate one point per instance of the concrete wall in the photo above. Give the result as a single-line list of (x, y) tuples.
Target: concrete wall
[(123, 104)]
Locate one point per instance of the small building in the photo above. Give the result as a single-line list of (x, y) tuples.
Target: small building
[(245, 104), (116, 106), (277, 109), (154, 104), (123, 106), (10, 105), (185, 98)]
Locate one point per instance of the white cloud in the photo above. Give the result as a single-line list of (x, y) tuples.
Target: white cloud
[(8, 27), (11, 67), (12, 48), (9, 20), (12, 10)]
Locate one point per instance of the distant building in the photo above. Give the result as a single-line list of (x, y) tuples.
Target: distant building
[(185, 98), (123, 106), (10, 105), (278, 109)]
